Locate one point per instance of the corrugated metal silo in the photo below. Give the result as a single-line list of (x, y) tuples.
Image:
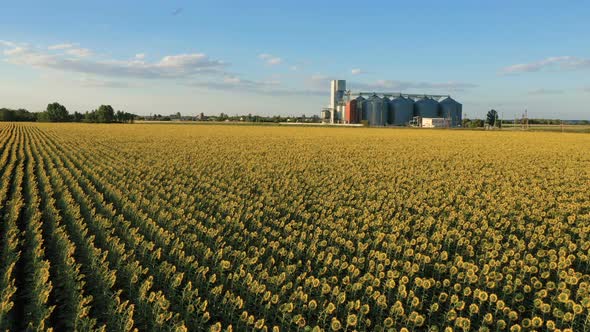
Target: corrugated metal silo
[(365, 109), (376, 111), (360, 105), (401, 111), (450, 108), (386, 110), (350, 113), (426, 107)]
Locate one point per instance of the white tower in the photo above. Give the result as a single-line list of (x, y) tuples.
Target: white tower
[(337, 90)]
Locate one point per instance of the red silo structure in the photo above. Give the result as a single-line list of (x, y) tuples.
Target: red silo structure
[(351, 115)]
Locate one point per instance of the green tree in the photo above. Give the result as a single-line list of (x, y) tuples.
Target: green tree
[(478, 123), (6, 114), (22, 114), (77, 117), (492, 118), (105, 114), (90, 116), (57, 113), (43, 117)]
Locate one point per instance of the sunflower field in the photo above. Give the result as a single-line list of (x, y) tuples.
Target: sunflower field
[(171, 227)]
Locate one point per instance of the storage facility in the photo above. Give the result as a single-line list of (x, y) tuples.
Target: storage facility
[(380, 109), (432, 122)]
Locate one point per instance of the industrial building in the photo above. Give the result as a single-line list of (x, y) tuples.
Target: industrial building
[(432, 122), (390, 108)]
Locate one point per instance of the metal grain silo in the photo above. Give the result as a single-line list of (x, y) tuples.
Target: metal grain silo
[(426, 107), (451, 109), (360, 104), (385, 110), (350, 112), (401, 111), (376, 111), (362, 107)]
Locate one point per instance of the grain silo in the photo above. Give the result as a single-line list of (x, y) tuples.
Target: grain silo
[(376, 111), (401, 111), (350, 115), (426, 107), (354, 107), (360, 108), (451, 109), (385, 110)]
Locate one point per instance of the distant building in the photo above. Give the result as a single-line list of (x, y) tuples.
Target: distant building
[(435, 123), (381, 109)]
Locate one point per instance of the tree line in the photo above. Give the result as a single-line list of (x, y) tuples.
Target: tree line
[(492, 120), (56, 112)]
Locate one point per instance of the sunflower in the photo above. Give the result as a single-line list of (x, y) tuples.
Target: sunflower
[(388, 322), (537, 322), (335, 325), (312, 305), (259, 324), (330, 308), (215, 327), (515, 328), (365, 309)]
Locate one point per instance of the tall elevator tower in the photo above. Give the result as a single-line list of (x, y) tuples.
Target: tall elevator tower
[(337, 90)]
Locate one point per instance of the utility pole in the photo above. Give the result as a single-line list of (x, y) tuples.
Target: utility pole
[(561, 121), (495, 120)]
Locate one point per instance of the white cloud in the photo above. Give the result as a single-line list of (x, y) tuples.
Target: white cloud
[(320, 77), (71, 49), (543, 91), (231, 80), (356, 71), (187, 61), (559, 62), (12, 48), (270, 59), (294, 68), (394, 86), (267, 87), (91, 82), (171, 66), (7, 43), (15, 51), (140, 56), (79, 52), (61, 46), (319, 82), (274, 61)]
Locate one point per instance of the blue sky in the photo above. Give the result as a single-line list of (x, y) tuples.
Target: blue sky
[(277, 57)]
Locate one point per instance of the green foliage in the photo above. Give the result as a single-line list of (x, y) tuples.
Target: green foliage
[(492, 118), (105, 114), (7, 114), (57, 113), (473, 123)]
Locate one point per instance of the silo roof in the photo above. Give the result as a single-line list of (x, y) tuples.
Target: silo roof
[(448, 99)]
